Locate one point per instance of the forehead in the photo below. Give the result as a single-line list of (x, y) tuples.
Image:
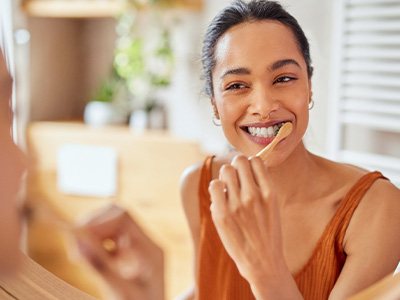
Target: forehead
[(265, 40)]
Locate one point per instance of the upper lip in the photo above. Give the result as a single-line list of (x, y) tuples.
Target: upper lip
[(264, 124)]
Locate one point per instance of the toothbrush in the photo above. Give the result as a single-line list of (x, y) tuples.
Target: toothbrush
[(283, 132)]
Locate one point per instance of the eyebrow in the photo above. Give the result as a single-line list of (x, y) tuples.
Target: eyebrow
[(236, 71), (283, 62), (273, 67)]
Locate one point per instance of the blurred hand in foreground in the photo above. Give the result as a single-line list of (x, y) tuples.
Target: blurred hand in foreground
[(124, 255)]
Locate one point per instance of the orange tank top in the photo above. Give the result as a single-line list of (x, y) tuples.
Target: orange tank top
[(218, 277)]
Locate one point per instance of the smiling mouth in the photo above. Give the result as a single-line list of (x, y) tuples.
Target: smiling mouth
[(263, 131)]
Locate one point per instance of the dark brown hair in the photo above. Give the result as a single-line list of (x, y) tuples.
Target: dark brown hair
[(239, 12)]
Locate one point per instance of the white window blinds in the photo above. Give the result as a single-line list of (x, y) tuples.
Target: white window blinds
[(365, 111)]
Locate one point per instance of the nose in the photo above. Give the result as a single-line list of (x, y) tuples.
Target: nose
[(262, 103)]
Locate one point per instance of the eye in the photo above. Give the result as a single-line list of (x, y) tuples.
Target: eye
[(236, 86), (284, 79)]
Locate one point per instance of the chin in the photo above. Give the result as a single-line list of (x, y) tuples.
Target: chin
[(276, 159)]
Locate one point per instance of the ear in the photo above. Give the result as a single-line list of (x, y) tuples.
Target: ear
[(216, 114), (310, 88)]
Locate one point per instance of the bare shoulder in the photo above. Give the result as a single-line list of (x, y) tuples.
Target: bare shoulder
[(371, 242), (383, 192), (336, 179), (375, 222), (375, 226), (189, 186), (381, 203), (380, 209), (380, 206), (344, 172)]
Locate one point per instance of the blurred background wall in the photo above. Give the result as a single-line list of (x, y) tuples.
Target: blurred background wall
[(70, 56)]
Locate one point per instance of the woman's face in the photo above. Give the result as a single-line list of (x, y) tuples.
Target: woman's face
[(260, 80), (12, 167)]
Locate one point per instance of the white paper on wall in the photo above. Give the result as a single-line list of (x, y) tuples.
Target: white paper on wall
[(84, 170)]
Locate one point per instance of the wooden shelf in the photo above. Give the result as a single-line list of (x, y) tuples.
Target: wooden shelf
[(148, 188), (94, 8), (194, 5), (73, 8)]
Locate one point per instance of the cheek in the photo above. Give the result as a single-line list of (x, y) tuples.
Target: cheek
[(299, 104), (302, 115), (230, 110)]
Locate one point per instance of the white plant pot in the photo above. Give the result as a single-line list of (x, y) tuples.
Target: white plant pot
[(157, 118), (103, 113), (139, 120)]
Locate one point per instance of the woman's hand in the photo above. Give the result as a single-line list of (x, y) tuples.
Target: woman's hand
[(246, 215), (123, 254)]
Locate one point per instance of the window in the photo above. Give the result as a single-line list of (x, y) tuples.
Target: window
[(365, 111)]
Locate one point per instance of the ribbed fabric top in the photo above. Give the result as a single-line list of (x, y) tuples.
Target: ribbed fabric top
[(218, 277)]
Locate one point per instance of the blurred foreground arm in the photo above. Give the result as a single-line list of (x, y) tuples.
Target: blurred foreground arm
[(123, 254)]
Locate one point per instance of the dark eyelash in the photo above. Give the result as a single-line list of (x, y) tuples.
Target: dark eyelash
[(235, 86), (282, 79)]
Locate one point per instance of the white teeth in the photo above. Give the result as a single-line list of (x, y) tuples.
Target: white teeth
[(265, 132)]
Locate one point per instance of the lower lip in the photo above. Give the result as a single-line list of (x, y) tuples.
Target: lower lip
[(260, 140)]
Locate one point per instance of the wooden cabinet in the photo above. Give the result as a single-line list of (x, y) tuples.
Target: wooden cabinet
[(149, 169), (72, 51), (73, 9), (93, 8)]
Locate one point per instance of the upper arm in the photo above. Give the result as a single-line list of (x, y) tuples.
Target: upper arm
[(190, 200), (372, 241)]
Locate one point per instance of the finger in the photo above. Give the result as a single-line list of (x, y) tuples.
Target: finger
[(220, 211), (115, 220), (104, 224), (115, 272), (94, 254), (260, 176), (247, 181), (218, 198), (117, 232), (131, 235), (229, 176), (127, 263)]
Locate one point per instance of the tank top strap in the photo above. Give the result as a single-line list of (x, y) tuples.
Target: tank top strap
[(350, 202), (205, 178)]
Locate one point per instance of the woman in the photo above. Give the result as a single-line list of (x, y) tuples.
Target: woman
[(21, 278), (296, 226)]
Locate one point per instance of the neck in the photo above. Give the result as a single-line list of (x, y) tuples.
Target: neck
[(294, 174)]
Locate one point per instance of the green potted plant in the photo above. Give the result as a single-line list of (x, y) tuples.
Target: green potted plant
[(103, 109), (144, 62), (142, 66)]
